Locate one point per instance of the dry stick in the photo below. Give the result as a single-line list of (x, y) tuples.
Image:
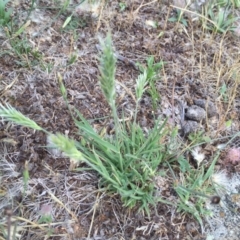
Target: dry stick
[(222, 122), (166, 21), (100, 17), (143, 5), (173, 90), (58, 201), (94, 211), (200, 55), (191, 37), (218, 78), (35, 225), (234, 90), (127, 90), (179, 18), (9, 215), (218, 60), (9, 86), (165, 76)]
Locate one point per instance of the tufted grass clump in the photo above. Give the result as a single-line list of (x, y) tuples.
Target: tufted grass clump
[(126, 161)]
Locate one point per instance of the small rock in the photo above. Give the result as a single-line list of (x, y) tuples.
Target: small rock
[(207, 105), (195, 113), (190, 127), (192, 228)]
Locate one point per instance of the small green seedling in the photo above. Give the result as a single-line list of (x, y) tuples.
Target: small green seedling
[(152, 69), (122, 6), (223, 92), (198, 137), (72, 59), (179, 18), (47, 66), (46, 217), (228, 123), (27, 56)]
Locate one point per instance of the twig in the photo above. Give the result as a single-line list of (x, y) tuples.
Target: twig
[(94, 211)]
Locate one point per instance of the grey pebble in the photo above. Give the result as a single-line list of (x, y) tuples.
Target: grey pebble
[(207, 105), (190, 127), (195, 113)]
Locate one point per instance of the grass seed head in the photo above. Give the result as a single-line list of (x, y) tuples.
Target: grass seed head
[(197, 155), (220, 178)]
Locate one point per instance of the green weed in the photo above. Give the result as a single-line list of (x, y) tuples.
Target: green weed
[(122, 6), (27, 56), (193, 189), (72, 59), (152, 71), (179, 18), (227, 3), (220, 15), (47, 66), (224, 93), (20, 46), (72, 23), (198, 138)]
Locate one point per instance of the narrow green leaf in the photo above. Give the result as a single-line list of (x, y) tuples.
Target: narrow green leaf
[(67, 21)]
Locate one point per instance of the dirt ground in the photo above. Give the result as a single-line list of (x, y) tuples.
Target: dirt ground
[(197, 66)]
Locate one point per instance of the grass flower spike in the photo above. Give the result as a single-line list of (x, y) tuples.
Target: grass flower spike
[(141, 84), (10, 114), (107, 69), (66, 145)]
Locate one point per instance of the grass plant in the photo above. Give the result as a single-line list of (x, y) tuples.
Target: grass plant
[(194, 188), (126, 161), (220, 15)]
